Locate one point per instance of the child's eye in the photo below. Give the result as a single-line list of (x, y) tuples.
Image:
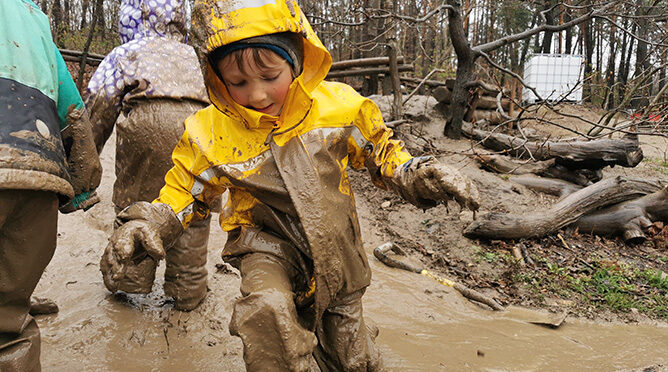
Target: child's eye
[(237, 84), (271, 78)]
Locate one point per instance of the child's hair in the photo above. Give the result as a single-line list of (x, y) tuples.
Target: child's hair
[(259, 58), (262, 52)]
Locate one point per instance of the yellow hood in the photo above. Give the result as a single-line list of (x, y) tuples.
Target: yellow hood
[(217, 23)]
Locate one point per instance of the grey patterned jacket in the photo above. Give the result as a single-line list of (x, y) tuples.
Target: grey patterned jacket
[(154, 61)]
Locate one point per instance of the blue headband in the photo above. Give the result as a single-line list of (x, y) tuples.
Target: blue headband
[(239, 46)]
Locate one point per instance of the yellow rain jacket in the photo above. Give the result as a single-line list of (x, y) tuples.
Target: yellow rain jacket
[(286, 175)]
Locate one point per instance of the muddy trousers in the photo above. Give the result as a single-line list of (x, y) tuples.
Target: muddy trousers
[(185, 273), (274, 339), (28, 230)]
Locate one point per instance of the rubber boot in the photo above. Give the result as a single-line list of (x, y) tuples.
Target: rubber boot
[(20, 353), (185, 273)]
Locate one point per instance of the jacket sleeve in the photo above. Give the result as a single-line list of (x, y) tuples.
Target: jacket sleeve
[(188, 189), (103, 98), (68, 94), (371, 146)]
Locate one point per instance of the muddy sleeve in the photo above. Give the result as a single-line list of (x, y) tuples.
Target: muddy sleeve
[(371, 146), (103, 98), (188, 189)]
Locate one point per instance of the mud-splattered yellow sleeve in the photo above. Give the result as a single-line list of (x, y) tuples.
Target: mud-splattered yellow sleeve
[(188, 189), (371, 145)]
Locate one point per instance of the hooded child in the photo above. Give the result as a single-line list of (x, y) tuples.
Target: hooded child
[(47, 162), (279, 138), (154, 79)]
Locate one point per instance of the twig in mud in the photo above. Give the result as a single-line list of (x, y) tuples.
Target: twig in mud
[(574, 252), (525, 254), (164, 332), (381, 254), (517, 252)]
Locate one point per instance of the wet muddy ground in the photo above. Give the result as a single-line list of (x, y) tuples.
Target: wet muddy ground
[(423, 325)]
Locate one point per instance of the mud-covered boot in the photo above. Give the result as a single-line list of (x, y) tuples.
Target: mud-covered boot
[(20, 353), (185, 274)]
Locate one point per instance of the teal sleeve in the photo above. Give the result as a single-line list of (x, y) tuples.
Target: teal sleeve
[(67, 90)]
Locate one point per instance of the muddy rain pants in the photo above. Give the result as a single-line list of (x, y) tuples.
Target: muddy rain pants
[(274, 337), (28, 233), (144, 143)]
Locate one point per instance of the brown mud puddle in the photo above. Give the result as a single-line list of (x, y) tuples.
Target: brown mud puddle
[(424, 326)]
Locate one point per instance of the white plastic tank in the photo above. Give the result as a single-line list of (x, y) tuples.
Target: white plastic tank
[(554, 76)]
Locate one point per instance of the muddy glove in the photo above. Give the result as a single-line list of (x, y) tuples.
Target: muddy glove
[(85, 201), (424, 182), (82, 159), (144, 231)]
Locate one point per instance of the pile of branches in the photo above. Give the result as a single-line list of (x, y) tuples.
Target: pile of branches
[(572, 170)]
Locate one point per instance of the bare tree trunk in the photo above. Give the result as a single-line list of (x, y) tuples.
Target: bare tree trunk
[(67, 14), (91, 32), (57, 19), (588, 44), (547, 36), (99, 9), (569, 31), (84, 13), (610, 71), (465, 73)]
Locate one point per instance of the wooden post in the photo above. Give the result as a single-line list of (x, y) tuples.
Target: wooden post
[(397, 109)]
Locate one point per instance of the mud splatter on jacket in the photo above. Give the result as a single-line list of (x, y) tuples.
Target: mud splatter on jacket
[(152, 62), (285, 174), (36, 91)]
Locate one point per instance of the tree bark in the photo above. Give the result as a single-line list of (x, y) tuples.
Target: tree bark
[(550, 186), (465, 74), (84, 56), (547, 168), (568, 210), (627, 219)]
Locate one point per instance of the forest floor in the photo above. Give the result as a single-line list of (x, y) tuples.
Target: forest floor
[(584, 275)]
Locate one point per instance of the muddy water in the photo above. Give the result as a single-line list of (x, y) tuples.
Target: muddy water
[(423, 325)]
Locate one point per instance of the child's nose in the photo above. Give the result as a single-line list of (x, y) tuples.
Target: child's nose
[(257, 96)]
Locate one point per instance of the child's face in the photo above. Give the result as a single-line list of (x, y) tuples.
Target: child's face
[(261, 87)]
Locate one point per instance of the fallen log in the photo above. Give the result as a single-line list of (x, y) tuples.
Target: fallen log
[(502, 164), (489, 103), (363, 62), (566, 211), (546, 168), (582, 177), (492, 117), (428, 82), (443, 95), (367, 71), (549, 186), (628, 219), (575, 154)]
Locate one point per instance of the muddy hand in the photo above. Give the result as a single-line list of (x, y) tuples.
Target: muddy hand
[(83, 161), (129, 260), (440, 182), (424, 182)]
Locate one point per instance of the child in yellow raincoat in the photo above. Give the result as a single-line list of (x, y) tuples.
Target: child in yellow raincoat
[(279, 138)]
